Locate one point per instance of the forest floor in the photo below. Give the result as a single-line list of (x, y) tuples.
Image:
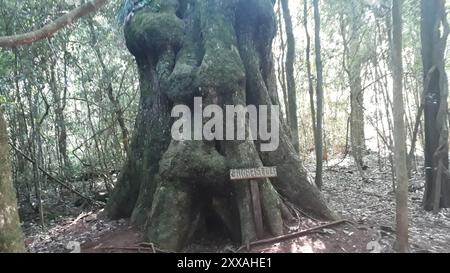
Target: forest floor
[(368, 203)]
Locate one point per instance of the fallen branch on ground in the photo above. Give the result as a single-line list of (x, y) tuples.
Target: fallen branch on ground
[(150, 247), (294, 235)]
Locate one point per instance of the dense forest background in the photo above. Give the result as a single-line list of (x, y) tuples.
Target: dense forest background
[(71, 100)]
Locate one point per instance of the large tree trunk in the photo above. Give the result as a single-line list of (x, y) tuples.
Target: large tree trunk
[(434, 41), (11, 239), (219, 50)]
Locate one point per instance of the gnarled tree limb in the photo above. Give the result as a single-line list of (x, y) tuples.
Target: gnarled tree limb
[(53, 27)]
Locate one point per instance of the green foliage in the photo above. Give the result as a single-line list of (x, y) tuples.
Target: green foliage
[(64, 72), (3, 100), (366, 27)]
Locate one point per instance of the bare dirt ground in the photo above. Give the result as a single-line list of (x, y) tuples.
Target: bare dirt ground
[(368, 203)]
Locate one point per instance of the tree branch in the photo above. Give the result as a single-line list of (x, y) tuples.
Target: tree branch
[(294, 235), (65, 185), (53, 27)]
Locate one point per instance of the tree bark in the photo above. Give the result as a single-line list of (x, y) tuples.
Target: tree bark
[(219, 50), (11, 238), (281, 73), (401, 171), (59, 105), (319, 98), (434, 41), (308, 68), (291, 88)]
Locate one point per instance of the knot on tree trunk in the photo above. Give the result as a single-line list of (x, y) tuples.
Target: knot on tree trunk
[(150, 33)]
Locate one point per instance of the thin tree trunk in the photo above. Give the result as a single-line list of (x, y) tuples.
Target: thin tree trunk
[(34, 142), (308, 69), (388, 131), (399, 130), (281, 59), (319, 94), (100, 155), (415, 134), (290, 60), (22, 129), (378, 116), (59, 104), (352, 64)]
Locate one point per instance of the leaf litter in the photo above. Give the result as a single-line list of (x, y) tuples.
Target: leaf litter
[(369, 203)]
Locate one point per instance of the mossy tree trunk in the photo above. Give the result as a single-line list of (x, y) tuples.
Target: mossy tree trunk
[(11, 239), (219, 50)]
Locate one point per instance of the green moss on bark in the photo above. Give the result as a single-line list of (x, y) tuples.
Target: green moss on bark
[(173, 215), (222, 67), (11, 238), (136, 186), (150, 33), (220, 50), (193, 162), (184, 169)]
